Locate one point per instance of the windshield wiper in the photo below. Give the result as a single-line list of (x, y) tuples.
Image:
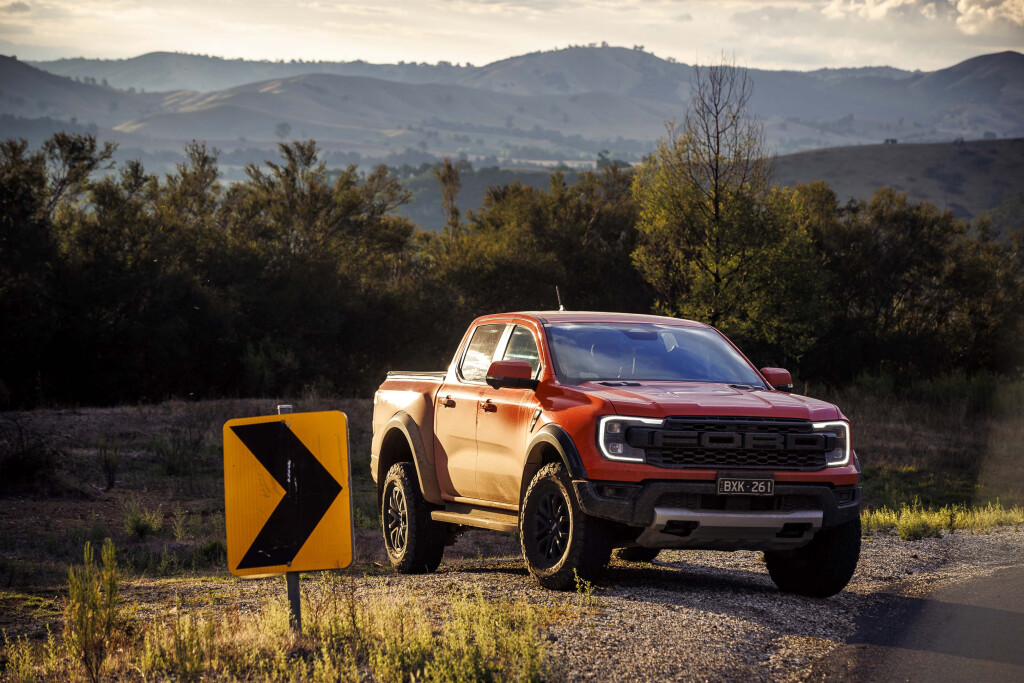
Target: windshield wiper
[(752, 387)]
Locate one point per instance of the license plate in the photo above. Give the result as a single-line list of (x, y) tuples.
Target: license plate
[(746, 486)]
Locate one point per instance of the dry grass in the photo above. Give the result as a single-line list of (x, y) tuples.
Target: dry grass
[(913, 522), (385, 635)]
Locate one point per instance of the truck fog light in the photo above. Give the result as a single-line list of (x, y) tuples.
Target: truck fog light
[(615, 448)]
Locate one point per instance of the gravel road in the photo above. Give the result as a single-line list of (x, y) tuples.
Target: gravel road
[(698, 615)]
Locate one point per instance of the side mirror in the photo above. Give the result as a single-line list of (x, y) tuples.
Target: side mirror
[(780, 379), (511, 373)]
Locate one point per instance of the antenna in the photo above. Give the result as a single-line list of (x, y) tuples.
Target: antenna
[(558, 295)]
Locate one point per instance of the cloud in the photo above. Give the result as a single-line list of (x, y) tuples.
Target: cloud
[(685, 16), (16, 8)]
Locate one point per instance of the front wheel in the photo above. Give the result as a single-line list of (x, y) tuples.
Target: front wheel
[(415, 542), (560, 542), (821, 568)]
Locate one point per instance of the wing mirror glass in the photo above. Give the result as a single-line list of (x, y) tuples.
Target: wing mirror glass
[(511, 373), (779, 378)]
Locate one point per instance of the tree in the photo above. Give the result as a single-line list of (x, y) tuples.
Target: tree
[(716, 242), (448, 176)]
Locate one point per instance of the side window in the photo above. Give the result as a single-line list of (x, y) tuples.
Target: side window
[(522, 346), (481, 352)]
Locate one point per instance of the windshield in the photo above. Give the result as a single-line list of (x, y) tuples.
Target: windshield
[(609, 352)]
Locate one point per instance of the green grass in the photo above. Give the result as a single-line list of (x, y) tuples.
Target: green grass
[(913, 522)]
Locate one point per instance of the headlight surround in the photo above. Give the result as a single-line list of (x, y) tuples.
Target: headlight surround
[(611, 437), (838, 441)]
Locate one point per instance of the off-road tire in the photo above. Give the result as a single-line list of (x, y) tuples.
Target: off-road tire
[(637, 554), (821, 568), (559, 541), (416, 547)]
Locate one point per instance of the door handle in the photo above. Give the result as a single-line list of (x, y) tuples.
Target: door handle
[(448, 402), (489, 407)]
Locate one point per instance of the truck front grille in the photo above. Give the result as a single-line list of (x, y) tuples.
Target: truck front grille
[(742, 443)]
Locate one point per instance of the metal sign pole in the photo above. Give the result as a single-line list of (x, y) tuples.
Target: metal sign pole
[(292, 578)]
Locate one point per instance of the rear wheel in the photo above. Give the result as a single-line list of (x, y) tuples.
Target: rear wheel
[(560, 542), (637, 554), (415, 542), (821, 568)]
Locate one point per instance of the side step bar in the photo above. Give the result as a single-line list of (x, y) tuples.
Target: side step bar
[(484, 518)]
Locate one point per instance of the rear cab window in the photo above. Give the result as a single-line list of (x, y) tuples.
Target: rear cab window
[(480, 352), (522, 346)]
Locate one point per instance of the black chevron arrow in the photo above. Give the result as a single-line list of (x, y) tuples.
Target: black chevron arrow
[(309, 490)]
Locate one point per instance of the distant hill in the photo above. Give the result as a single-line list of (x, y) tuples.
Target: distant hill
[(535, 109), (968, 178)]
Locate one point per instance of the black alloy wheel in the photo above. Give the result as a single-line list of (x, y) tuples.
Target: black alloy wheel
[(552, 527), (414, 541), (396, 518)]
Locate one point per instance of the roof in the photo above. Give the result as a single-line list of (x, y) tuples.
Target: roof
[(600, 317)]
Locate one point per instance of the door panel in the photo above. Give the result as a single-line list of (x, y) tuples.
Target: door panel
[(455, 447), (503, 424), (502, 427), (455, 413)]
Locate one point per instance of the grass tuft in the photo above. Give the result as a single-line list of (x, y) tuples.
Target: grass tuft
[(913, 522), (141, 522)]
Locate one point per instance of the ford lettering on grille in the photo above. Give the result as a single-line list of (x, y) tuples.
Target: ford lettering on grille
[(742, 443)]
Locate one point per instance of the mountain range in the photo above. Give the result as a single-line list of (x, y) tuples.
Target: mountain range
[(532, 110)]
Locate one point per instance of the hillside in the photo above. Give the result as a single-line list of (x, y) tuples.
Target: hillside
[(967, 178), (532, 110)]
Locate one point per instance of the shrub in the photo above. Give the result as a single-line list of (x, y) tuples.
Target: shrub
[(93, 622), (20, 662), (27, 460), (181, 450), (140, 522), (110, 461)]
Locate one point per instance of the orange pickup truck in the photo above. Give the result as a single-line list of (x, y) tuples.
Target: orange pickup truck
[(587, 432)]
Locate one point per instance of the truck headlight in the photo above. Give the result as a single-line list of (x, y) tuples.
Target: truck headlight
[(611, 437), (837, 442)]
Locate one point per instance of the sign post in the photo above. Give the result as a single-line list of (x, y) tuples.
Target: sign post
[(292, 578), (287, 496)]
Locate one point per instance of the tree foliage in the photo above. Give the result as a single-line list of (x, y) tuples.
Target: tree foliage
[(118, 285), (716, 241)]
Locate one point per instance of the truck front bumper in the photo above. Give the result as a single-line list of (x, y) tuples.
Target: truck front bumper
[(678, 514)]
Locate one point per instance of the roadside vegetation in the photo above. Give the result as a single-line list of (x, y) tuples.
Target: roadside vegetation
[(387, 636)]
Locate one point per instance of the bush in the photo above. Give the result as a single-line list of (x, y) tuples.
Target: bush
[(93, 622), (140, 522), (180, 452), (110, 461), (27, 460)]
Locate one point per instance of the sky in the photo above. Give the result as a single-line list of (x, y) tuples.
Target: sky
[(779, 34)]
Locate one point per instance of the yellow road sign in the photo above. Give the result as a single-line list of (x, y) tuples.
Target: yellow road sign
[(287, 493)]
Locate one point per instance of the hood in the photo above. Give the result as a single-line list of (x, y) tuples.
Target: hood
[(662, 399)]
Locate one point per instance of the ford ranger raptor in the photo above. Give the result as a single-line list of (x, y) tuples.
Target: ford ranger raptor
[(589, 432)]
